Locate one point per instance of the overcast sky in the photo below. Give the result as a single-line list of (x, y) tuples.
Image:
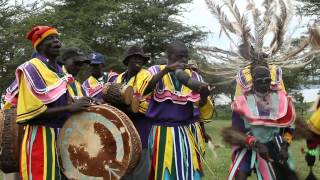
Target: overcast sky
[(199, 14)]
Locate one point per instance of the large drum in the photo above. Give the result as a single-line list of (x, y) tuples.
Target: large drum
[(10, 141), (101, 143)]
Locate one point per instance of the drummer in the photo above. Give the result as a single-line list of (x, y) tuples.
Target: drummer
[(176, 144), (138, 77), (42, 105), (73, 60), (94, 84)]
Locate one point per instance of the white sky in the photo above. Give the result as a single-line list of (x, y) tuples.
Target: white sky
[(199, 14)]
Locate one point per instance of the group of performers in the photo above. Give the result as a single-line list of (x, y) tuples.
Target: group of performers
[(173, 101)]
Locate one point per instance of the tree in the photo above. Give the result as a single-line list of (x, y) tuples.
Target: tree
[(111, 26), (10, 40)]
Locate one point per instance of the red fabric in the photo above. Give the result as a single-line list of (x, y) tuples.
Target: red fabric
[(37, 156), (154, 157), (37, 32), (282, 122)]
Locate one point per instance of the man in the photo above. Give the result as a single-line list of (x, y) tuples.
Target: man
[(138, 78), (73, 59), (176, 144), (264, 116), (42, 105), (313, 142), (94, 84)]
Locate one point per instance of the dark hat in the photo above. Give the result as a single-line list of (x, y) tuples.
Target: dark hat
[(96, 58), (132, 51), (73, 52)]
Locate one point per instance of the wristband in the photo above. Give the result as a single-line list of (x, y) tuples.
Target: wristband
[(250, 141)]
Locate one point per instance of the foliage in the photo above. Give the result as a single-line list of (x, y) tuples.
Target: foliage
[(11, 40), (105, 26)]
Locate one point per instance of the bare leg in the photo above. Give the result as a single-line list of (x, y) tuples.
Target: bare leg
[(242, 175)]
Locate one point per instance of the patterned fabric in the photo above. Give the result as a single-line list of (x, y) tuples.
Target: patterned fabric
[(41, 86), (93, 87), (74, 87), (168, 88), (250, 159), (139, 84), (244, 80), (267, 127), (281, 113), (38, 86), (176, 152), (39, 155)]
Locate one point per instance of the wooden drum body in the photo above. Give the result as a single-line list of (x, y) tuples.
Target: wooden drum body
[(117, 94), (10, 141), (101, 143)]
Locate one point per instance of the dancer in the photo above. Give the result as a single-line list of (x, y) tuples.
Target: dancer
[(179, 99)]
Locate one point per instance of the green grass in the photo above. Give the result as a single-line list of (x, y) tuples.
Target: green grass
[(220, 165)]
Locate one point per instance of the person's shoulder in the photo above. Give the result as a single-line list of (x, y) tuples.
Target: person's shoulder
[(156, 69)]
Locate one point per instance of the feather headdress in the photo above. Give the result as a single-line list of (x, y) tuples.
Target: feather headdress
[(272, 18)]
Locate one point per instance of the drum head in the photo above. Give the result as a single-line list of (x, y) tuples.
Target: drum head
[(98, 144)]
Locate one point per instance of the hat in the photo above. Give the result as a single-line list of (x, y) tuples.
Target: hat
[(39, 33), (134, 50), (73, 52), (96, 58)]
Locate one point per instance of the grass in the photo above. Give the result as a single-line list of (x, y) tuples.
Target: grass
[(220, 165)]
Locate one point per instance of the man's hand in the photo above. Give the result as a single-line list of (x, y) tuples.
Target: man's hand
[(262, 150), (80, 104), (206, 137), (176, 65)]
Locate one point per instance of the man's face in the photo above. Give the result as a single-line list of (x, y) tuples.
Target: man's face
[(50, 46), (179, 54), (96, 70), (74, 65), (261, 80), (135, 63)]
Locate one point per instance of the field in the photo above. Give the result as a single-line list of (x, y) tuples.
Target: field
[(220, 165)]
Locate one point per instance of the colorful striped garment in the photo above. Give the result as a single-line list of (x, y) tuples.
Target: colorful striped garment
[(267, 125), (244, 80), (40, 87), (139, 83), (93, 87), (176, 145)]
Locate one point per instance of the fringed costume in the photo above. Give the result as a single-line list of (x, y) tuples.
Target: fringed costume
[(40, 87), (176, 144), (93, 87)]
